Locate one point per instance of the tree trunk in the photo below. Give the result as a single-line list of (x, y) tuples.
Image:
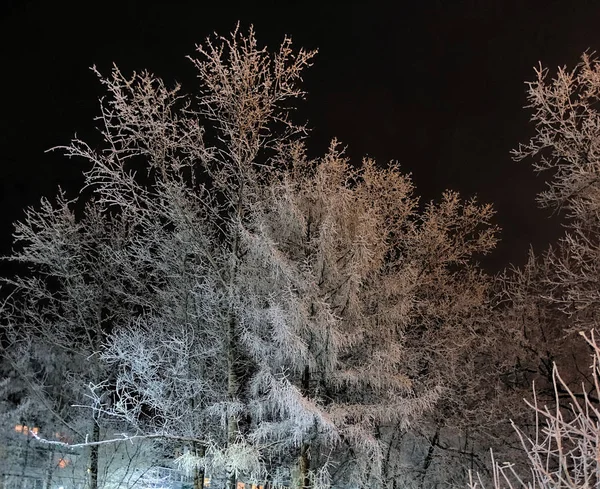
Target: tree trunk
[(24, 465), (304, 461), (50, 471), (232, 377), (386, 467), (198, 478), (304, 467), (93, 468), (199, 472), (429, 457), (232, 390)]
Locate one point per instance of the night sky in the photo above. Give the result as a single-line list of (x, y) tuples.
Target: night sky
[(436, 85)]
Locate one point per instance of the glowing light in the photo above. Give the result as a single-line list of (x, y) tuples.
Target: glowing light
[(23, 428)]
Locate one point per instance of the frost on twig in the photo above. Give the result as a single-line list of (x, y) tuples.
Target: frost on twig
[(563, 451)]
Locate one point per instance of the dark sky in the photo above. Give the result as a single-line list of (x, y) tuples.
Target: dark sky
[(436, 85)]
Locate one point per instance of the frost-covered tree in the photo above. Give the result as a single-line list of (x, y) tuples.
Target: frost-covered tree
[(531, 338), (386, 300), (270, 316), (60, 312), (184, 363), (567, 143), (540, 327), (554, 296)]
